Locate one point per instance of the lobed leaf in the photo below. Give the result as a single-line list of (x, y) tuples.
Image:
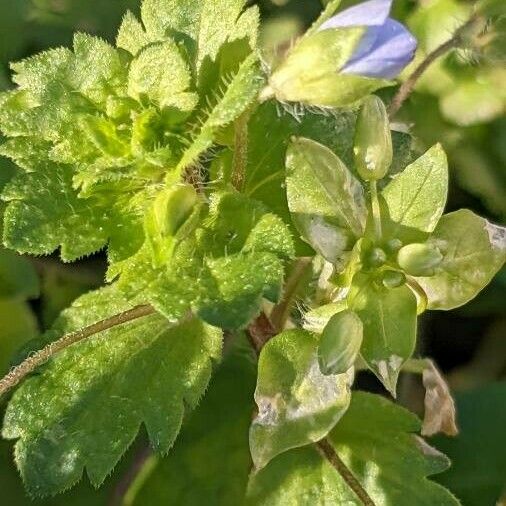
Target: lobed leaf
[(210, 461), (86, 406), (375, 440)]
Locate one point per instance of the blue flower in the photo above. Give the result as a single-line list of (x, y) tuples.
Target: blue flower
[(386, 47)]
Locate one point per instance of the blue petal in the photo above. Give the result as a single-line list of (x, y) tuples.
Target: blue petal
[(371, 13), (383, 52)]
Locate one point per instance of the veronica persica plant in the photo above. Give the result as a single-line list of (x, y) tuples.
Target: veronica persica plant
[(223, 217)]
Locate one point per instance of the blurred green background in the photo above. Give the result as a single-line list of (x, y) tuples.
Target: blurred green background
[(460, 102)]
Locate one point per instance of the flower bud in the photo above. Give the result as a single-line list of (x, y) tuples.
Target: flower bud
[(394, 245), (393, 279), (173, 216), (340, 343), (419, 259), (377, 257), (173, 207), (373, 141)]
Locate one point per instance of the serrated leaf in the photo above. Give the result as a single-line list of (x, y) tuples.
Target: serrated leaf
[(389, 322), (242, 89), (297, 404), (210, 460), (203, 26), (94, 395), (326, 201), (160, 72), (415, 199), (233, 287), (474, 250), (131, 35), (235, 259), (44, 212), (374, 439)]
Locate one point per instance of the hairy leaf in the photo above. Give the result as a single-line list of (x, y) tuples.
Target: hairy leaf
[(297, 404), (85, 408), (210, 461), (473, 251), (235, 258), (375, 440)]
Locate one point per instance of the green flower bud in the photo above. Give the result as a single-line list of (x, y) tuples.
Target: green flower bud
[(173, 216), (394, 245), (393, 279), (377, 257), (373, 141), (340, 343), (419, 259), (173, 207), (310, 73)]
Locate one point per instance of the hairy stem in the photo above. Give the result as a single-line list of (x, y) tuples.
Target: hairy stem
[(40, 357), (240, 159), (259, 333), (408, 86), (281, 311), (326, 449), (376, 213)]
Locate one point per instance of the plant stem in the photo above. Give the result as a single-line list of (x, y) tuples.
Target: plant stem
[(376, 213), (281, 311), (326, 449), (240, 158), (408, 86), (40, 357)]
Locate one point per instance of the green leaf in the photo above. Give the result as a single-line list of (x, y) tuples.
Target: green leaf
[(44, 213), (233, 288), (326, 201), (203, 26), (160, 72), (473, 252), (131, 35), (415, 199), (297, 404), (86, 406), (389, 320), (242, 89), (235, 258), (210, 460), (374, 439), (478, 472)]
